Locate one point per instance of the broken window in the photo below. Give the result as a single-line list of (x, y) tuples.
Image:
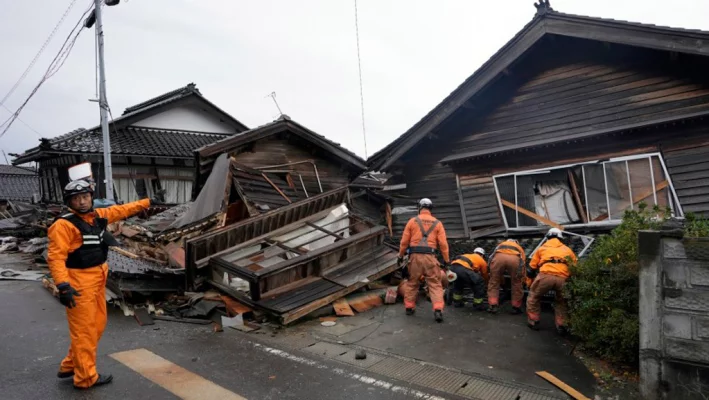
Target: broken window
[(593, 192)]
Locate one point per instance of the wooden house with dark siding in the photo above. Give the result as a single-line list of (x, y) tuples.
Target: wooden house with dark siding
[(573, 121)]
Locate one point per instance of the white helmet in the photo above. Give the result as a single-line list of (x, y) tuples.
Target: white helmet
[(480, 251), (555, 232), (425, 203)]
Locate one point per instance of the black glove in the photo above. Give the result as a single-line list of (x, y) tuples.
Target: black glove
[(66, 295), (531, 273), (399, 260), (159, 197)]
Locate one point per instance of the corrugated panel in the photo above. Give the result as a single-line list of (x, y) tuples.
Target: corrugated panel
[(689, 171)]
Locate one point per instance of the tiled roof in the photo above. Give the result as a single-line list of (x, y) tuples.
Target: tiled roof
[(18, 187), (164, 98), (133, 140), (13, 170)]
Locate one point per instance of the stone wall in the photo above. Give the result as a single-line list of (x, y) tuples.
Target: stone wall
[(674, 316)]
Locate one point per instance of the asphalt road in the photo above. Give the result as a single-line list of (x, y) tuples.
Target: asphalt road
[(34, 338)]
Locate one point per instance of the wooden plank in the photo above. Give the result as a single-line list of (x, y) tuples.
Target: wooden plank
[(563, 386), (300, 312), (531, 214), (321, 229), (577, 198), (342, 308)]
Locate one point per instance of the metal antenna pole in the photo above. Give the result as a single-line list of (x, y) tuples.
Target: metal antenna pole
[(103, 105)]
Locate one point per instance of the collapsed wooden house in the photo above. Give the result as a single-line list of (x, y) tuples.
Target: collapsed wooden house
[(293, 260), (575, 120)]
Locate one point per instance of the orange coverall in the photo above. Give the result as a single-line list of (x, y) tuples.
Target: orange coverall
[(508, 256), (425, 265), (87, 319), (550, 259), (474, 276)]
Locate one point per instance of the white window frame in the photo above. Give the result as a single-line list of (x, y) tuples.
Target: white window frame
[(673, 200)]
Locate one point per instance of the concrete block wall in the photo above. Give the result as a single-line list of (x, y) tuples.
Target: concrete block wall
[(674, 316)]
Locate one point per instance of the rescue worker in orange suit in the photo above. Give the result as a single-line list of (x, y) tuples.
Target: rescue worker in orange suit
[(77, 254), (423, 236), (508, 257), (471, 272), (552, 260)]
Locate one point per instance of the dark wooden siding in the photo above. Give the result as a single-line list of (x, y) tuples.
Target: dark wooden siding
[(480, 201), (274, 151), (569, 100), (689, 170)]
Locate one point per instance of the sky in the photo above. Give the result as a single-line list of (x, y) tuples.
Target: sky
[(413, 54)]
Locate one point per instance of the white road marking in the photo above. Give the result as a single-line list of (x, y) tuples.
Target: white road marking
[(173, 378), (362, 378)]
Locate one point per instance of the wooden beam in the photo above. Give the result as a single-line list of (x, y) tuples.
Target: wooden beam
[(563, 386), (321, 229), (639, 198), (531, 214), (577, 198), (277, 189)]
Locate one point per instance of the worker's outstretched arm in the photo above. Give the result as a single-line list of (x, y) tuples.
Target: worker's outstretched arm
[(443, 243), (405, 238), (123, 211), (59, 235)]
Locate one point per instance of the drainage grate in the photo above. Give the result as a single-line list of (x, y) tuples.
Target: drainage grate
[(440, 379), (397, 369)]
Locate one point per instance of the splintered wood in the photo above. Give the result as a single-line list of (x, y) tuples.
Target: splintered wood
[(342, 308), (365, 302)]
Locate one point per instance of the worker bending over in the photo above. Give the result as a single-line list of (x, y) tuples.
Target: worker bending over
[(552, 260), (508, 257), (471, 272), (423, 236), (77, 254)]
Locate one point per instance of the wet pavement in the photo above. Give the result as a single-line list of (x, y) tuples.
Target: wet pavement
[(34, 339)]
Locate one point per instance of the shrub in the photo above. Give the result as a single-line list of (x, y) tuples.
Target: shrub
[(696, 226), (603, 289)]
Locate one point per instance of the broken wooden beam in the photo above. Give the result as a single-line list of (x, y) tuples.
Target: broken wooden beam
[(321, 229), (530, 214), (563, 386), (277, 188)]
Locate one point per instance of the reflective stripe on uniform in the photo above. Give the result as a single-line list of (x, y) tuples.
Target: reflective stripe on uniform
[(92, 242)]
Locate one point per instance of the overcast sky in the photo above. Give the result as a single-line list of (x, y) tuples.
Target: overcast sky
[(237, 52)]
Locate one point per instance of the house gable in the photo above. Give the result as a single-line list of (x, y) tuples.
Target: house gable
[(188, 117)]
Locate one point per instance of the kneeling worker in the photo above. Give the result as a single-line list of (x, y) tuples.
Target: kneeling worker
[(471, 271), (507, 257), (552, 261), (422, 237), (77, 254)]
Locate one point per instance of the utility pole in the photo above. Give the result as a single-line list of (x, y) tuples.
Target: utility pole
[(103, 105)]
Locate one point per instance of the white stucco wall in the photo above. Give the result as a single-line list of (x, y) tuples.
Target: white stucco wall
[(187, 118)]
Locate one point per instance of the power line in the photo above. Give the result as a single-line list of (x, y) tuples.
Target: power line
[(23, 122), (54, 66), (39, 53), (361, 90)]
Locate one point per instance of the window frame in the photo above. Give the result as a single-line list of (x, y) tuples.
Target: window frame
[(673, 200)]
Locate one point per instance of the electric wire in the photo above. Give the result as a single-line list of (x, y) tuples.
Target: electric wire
[(39, 53), (53, 68), (361, 90)]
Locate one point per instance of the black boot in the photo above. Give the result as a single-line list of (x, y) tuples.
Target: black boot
[(479, 307), (410, 311), (516, 311), (492, 309), (458, 304), (562, 330), (102, 380), (438, 315), (534, 325), (64, 375)]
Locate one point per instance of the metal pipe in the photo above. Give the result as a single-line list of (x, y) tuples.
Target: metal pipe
[(652, 179), (499, 203), (585, 193), (608, 199), (303, 185), (672, 188), (516, 205), (317, 176), (630, 188)]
